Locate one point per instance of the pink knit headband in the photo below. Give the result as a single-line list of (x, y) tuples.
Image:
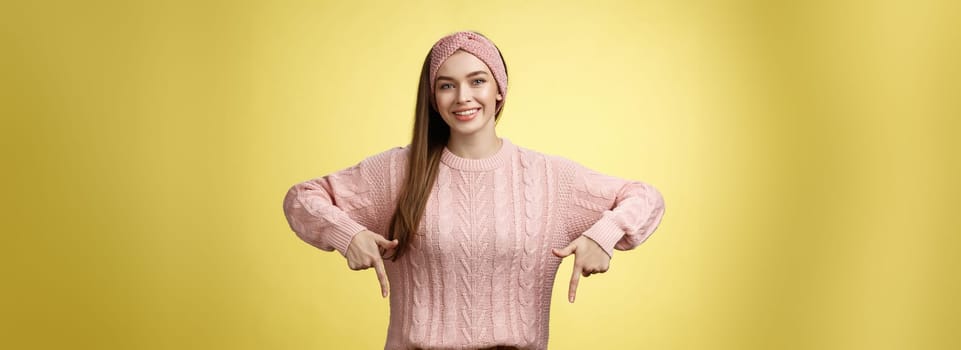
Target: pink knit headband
[(476, 45)]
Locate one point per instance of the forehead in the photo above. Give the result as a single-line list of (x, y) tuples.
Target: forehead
[(461, 63)]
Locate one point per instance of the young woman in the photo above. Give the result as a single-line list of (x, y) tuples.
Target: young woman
[(468, 227)]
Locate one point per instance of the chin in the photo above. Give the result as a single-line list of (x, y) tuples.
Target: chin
[(470, 127), (465, 131)]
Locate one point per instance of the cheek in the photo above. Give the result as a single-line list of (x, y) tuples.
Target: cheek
[(441, 102), (489, 94)]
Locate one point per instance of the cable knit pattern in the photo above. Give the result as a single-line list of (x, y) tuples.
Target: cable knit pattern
[(532, 199), (503, 246), (480, 271), (466, 254), (448, 256)]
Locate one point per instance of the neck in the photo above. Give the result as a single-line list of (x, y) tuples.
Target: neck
[(474, 146)]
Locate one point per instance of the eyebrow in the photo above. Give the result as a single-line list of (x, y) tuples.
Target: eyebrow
[(469, 75)]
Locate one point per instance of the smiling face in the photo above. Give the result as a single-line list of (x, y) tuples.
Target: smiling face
[(465, 84)]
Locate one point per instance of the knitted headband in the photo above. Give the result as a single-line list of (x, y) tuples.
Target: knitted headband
[(475, 44)]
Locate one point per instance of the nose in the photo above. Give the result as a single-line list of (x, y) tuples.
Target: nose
[(463, 95)]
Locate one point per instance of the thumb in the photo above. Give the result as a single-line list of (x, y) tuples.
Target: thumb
[(383, 242), (568, 250)]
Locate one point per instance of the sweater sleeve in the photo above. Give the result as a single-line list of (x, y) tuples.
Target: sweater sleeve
[(616, 213), (328, 211)]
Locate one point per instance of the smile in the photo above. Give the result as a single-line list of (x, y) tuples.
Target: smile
[(466, 115)]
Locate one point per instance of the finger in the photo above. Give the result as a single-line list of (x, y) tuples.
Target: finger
[(388, 252), (383, 242), (575, 277), (381, 276), (387, 249), (563, 252)]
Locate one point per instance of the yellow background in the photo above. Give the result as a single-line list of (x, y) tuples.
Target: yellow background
[(808, 154)]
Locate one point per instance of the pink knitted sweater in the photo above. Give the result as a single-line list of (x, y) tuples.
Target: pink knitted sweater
[(481, 271)]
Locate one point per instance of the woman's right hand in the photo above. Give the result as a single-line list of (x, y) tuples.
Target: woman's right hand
[(364, 252)]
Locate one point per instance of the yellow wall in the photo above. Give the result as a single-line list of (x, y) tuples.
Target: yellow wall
[(808, 154)]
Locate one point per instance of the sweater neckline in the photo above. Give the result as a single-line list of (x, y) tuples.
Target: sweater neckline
[(467, 164)]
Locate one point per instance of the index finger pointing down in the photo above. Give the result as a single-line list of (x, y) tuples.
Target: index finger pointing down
[(381, 276), (575, 277)]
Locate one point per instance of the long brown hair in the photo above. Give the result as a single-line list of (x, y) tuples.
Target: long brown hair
[(430, 136)]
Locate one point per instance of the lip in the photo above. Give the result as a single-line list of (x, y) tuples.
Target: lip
[(465, 118)]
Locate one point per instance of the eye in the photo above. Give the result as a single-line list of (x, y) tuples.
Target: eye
[(480, 80), (443, 86)]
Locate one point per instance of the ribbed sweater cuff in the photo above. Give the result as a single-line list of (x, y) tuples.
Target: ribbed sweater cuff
[(606, 234), (342, 232)]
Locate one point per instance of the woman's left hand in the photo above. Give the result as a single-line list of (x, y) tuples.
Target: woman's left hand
[(589, 258)]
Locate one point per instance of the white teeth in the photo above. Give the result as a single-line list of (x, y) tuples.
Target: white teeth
[(467, 112)]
